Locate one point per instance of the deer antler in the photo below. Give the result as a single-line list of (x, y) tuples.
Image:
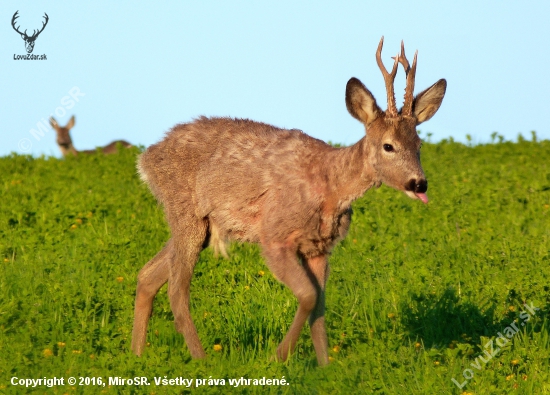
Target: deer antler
[(410, 72), (34, 35), (388, 79), (15, 16)]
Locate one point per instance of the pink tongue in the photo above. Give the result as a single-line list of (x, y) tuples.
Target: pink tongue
[(423, 197)]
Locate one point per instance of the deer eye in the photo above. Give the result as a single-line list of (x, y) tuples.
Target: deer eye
[(388, 147)]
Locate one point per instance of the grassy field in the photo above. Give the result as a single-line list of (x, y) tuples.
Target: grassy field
[(418, 295)]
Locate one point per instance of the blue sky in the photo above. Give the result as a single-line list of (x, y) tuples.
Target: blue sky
[(143, 67)]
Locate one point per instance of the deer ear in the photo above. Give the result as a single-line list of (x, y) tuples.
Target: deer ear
[(360, 102), (71, 123), (427, 102), (53, 122)]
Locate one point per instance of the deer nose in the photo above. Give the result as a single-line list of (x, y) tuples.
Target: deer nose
[(421, 186), (417, 186)]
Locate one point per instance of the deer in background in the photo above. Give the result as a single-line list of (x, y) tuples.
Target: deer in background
[(66, 143), (222, 179)]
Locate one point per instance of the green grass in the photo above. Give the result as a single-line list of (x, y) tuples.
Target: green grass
[(415, 295)]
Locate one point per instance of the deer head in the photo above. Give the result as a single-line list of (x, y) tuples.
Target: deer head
[(29, 40), (63, 137), (392, 143)]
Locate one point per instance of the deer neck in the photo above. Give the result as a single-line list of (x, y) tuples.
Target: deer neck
[(351, 172), (68, 150)]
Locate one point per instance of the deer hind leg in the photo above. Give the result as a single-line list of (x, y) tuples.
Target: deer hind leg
[(284, 264), (189, 238), (317, 270), (153, 276)]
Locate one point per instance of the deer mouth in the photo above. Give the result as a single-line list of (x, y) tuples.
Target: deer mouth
[(418, 195), (422, 196)]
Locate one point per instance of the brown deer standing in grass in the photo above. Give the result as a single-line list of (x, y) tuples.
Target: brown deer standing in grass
[(223, 179), (66, 143)]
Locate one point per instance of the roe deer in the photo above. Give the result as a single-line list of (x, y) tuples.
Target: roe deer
[(66, 143), (223, 179)]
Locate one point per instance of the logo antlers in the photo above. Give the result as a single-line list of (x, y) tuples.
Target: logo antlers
[(29, 40)]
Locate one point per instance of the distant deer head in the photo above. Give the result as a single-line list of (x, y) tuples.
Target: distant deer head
[(65, 142), (234, 179), (393, 143), (29, 40)]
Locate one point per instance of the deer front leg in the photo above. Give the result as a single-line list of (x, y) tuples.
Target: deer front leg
[(153, 276), (317, 270), (283, 262)]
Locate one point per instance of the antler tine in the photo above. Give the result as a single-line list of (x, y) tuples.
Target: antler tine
[(410, 72), (388, 79), (47, 18), (403, 59), (13, 20)]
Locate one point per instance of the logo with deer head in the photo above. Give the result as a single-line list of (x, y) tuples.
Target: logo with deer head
[(29, 40)]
